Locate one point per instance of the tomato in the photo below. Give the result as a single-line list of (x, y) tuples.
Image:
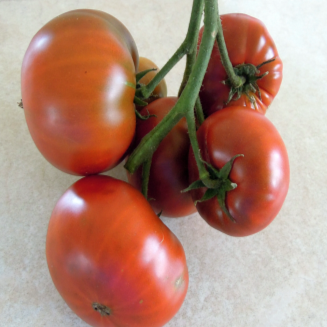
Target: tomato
[(169, 172), (112, 259), (247, 41), (262, 175), (161, 89), (78, 86)]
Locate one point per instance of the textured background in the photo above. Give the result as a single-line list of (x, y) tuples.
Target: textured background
[(276, 278)]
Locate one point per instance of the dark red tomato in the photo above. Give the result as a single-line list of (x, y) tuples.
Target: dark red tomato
[(112, 259), (169, 168), (78, 86), (262, 175), (247, 41), (161, 89)]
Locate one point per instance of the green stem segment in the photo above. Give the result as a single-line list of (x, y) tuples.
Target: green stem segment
[(235, 80), (203, 173), (199, 112), (186, 47), (151, 141), (190, 60), (186, 102), (145, 177)]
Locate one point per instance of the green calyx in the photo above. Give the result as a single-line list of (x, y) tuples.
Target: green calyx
[(145, 117), (137, 100), (141, 74), (142, 102), (223, 185), (249, 75)]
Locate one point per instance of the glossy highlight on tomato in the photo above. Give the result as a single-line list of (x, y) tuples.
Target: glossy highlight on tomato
[(248, 41), (169, 167), (78, 86), (112, 259), (262, 175)]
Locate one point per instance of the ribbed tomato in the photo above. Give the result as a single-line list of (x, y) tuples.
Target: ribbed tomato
[(262, 175), (78, 86), (248, 42), (112, 259), (169, 167)]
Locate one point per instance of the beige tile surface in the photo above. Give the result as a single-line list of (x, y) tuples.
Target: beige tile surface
[(276, 278)]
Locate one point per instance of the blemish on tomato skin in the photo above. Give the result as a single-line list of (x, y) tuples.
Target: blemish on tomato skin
[(163, 237), (179, 282), (141, 302), (102, 309)]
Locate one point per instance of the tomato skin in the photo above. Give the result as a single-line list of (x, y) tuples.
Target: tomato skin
[(161, 89), (105, 245), (78, 78), (169, 168), (262, 175), (247, 41)]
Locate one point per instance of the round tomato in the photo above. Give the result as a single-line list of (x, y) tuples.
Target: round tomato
[(161, 89), (112, 259), (262, 175), (78, 86), (169, 167), (248, 42)]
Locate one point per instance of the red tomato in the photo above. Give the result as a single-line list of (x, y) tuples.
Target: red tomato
[(247, 41), (161, 89), (169, 172), (112, 259), (262, 175), (78, 86)]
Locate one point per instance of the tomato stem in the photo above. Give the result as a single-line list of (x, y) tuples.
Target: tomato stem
[(151, 141), (199, 112), (145, 176), (190, 60), (185, 48), (235, 80), (186, 102), (203, 172)]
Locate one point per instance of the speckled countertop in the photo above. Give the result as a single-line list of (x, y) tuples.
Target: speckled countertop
[(276, 278)]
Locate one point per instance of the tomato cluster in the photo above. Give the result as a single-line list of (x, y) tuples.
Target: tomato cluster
[(109, 255)]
